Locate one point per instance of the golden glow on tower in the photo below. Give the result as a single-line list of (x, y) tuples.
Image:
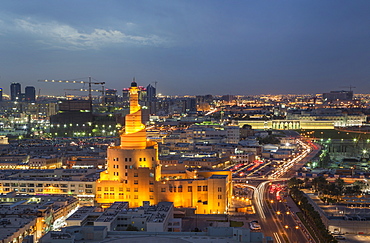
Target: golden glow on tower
[(134, 135)]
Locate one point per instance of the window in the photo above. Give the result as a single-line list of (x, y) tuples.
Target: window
[(151, 182), (136, 174), (219, 189), (126, 167), (136, 196), (205, 188), (199, 188), (88, 191), (126, 161), (127, 189), (151, 189), (136, 189), (120, 189), (120, 196), (179, 189), (151, 197), (99, 189), (98, 195), (88, 186), (190, 188), (106, 189), (112, 189), (163, 189), (111, 195), (219, 196), (127, 196), (140, 159), (106, 195), (136, 182), (117, 166)]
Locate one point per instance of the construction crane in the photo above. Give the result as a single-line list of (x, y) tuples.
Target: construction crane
[(350, 87), (76, 82)]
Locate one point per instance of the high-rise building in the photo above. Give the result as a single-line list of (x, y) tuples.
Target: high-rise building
[(151, 93), (30, 94), (151, 99), (1, 94), (15, 92), (110, 97)]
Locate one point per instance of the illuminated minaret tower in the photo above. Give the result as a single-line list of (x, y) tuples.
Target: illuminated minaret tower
[(132, 167)]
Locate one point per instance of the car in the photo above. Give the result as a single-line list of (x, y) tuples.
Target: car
[(339, 237), (253, 225)]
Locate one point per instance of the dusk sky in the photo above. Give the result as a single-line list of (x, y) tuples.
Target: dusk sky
[(189, 47)]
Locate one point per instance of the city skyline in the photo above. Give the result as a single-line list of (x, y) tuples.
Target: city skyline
[(194, 48)]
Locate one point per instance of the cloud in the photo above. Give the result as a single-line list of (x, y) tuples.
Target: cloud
[(66, 37)]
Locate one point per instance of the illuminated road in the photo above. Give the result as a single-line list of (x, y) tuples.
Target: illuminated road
[(278, 218)]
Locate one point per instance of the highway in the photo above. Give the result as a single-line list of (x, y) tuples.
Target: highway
[(278, 217)]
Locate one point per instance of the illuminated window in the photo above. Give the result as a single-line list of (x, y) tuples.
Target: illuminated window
[(112, 189), (136, 196), (111, 195), (120, 196), (190, 188), (219, 189), (98, 195), (99, 189), (136, 189), (127, 189), (219, 196), (205, 188), (199, 188), (179, 188), (151, 197), (120, 189), (106, 188)]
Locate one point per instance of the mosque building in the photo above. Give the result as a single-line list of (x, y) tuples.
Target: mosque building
[(133, 173)]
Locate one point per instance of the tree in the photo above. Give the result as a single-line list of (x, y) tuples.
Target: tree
[(324, 159)]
